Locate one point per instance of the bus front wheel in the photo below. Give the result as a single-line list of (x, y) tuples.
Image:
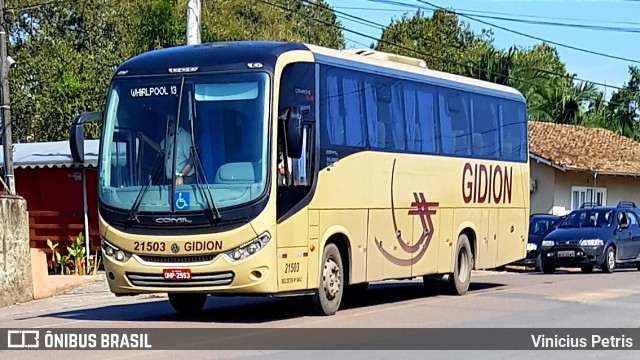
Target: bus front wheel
[(187, 303), (460, 279), (327, 300)]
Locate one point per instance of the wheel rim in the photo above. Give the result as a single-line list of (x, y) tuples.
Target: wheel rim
[(331, 279), (463, 265), (611, 260)]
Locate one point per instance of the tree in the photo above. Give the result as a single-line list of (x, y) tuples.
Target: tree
[(67, 50), (441, 40), (625, 106)]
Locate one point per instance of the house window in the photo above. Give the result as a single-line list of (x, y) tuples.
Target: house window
[(582, 194)]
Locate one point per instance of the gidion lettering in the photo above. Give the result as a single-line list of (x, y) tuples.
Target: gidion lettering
[(203, 245), (482, 184)]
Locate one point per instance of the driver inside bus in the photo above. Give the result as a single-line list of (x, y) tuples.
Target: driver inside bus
[(185, 172)]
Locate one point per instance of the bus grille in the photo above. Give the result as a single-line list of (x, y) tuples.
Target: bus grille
[(177, 259), (205, 280)]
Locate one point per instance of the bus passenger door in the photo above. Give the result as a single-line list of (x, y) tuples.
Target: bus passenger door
[(296, 173)]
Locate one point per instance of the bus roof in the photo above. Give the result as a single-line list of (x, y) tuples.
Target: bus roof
[(434, 75), (235, 55)]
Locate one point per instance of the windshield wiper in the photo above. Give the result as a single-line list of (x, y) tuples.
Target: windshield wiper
[(195, 157), (211, 205), (133, 214)]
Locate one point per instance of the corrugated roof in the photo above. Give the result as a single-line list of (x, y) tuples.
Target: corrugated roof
[(584, 149), (51, 154)]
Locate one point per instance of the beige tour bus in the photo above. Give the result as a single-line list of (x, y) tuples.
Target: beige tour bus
[(289, 169)]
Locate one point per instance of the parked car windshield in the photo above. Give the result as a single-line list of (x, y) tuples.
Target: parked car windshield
[(542, 225), (589, 218)]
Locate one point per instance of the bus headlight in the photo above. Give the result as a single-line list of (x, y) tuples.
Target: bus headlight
[(591, 242), (112, 252), (248, 249), (532, 247), (548, 243)]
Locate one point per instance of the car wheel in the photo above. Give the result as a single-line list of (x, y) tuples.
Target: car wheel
[(187, 304), (548, 269), (329, 295), (587, 268), (609, 263), (539, 263), (638, 265), (460, 279)]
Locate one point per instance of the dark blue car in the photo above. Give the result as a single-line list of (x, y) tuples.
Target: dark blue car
[(539, 226), (600, 236)]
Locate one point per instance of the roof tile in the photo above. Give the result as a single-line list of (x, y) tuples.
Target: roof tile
[(584, 149)]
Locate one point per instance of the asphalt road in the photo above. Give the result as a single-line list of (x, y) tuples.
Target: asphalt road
[(495, 300)]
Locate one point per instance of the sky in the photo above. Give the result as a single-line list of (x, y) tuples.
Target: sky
[(605, 13)]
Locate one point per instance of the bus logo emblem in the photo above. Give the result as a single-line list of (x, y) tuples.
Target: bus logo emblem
[(424, 210), (175, 248)]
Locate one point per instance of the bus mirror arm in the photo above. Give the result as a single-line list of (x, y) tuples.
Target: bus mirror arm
[(76, 134)]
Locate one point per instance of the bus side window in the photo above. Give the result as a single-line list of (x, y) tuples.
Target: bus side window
[(454, 122), (485, 127), (342, 104), (426, 120), (513, 130)]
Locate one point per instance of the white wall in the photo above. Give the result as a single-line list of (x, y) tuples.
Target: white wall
[(554, 187), (542, 199)]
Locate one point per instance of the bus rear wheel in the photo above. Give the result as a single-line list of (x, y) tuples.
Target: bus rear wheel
[(460, 279), (329, 295), (187, 303)]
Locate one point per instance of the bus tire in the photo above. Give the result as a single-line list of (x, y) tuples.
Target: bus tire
[(326, 300), (459, 280), (187, 303)]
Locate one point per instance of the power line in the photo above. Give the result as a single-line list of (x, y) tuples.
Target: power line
[(413, 7), (391, 43), (567, 76), (378, 25), (534, 37), (357, 42)]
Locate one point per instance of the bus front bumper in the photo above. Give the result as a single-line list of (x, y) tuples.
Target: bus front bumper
[(143, 274)]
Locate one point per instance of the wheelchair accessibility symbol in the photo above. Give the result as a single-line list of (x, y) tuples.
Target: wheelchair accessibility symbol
[(181, 200)]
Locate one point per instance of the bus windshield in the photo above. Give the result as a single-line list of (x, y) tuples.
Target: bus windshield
[(174, 144)]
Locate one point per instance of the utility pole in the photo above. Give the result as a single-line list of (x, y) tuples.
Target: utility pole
[(193, 21), (5, 109)]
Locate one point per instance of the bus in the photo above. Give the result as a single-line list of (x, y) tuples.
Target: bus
[(287, 169)]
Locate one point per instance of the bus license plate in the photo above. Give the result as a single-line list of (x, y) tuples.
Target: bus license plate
[(176, 274), (565, 254)]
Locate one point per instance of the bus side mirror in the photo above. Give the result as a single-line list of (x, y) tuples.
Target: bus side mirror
[(293, 118), (76, 134)]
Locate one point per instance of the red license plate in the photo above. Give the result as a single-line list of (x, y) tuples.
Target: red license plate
[(176, 274)]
